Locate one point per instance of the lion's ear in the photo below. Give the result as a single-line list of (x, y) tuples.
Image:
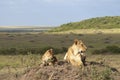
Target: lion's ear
[(76, 41), (50, 50)]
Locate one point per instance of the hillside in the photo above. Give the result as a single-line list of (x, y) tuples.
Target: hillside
[(108, 22)]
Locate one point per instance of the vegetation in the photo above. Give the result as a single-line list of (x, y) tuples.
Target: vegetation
[(14, 51), (108, 50), (22, 51), (108, 22), (16, 43), (21, 64)]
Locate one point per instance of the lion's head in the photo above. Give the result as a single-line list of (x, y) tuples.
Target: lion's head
[(79, 46), (49, 53), (48, 57)]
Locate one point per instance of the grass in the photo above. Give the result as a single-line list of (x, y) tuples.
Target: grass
[(88, 31), (19, 61), (91, 72), (108, 22), (94, 39)]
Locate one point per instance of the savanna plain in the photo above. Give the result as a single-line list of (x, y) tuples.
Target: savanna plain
[(20, 54)]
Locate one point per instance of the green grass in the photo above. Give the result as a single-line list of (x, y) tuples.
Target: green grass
[(20, 60), (108, 22), (38, 43)]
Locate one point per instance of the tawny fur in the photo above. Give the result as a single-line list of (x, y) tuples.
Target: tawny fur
[(48, 58), (75, 54)]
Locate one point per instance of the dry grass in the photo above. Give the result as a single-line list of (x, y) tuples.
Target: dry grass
[(111, 63), (89, 31)]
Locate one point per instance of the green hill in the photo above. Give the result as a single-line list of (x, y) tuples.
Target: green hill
[(108, 22)]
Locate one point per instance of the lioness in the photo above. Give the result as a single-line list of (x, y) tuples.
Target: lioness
[(75, 54), (48, 58)]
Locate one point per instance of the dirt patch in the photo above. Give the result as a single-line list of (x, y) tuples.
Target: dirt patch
[(65, 71)]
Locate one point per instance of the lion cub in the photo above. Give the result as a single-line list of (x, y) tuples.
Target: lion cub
[(75, 54), (48, 58)]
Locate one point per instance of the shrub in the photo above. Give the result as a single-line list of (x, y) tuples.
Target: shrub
[(113, 49), (8, 51), (108, 49), (24, 51)]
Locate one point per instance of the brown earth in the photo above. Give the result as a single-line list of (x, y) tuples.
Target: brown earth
[(65, 71)]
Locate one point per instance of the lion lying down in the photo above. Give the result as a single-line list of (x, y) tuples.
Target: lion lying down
[(75, 54), (48, 58)]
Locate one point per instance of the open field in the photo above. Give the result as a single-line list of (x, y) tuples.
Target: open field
[(94, 39), (17, 63)]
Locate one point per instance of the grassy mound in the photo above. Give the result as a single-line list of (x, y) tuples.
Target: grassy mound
[(108, 22), (94, 71)]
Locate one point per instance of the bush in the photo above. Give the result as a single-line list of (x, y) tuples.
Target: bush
[(108, 49), (99, 51), (113, 49), (8, 51), (24, 51)]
